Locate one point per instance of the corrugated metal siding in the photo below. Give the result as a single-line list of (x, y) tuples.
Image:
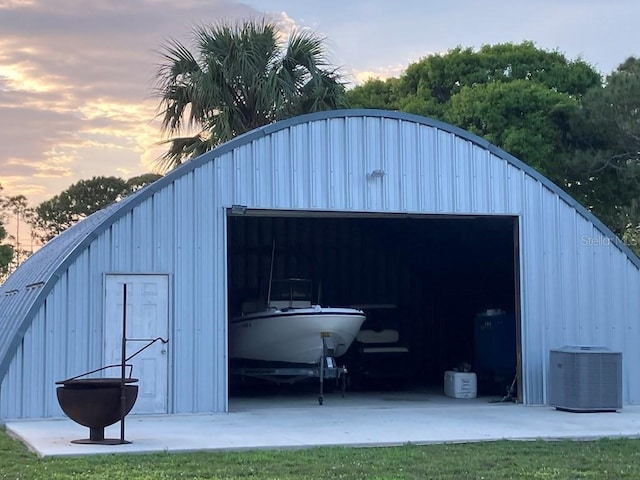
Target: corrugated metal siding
[(23, 292), (11, 390), (571, 293), (70, 341), (568, 305)]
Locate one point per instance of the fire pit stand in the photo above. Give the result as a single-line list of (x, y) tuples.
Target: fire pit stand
[(99, 402)]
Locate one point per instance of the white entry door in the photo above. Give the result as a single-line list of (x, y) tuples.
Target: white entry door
[(147, 318)]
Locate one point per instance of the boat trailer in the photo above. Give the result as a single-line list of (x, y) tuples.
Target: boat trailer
[(325, 369)]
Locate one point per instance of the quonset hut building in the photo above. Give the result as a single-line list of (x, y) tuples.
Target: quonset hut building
[(378, 206)]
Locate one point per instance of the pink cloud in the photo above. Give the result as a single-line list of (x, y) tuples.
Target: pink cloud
[(76, 77)]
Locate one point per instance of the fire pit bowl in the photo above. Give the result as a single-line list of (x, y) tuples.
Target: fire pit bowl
[(96, 403)]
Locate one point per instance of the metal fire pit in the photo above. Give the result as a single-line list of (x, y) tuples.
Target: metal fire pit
[(97, 403)]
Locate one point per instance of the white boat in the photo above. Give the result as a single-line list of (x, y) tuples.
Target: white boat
[(291, 329)]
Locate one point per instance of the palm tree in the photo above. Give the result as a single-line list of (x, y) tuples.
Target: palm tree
[(242, 77)]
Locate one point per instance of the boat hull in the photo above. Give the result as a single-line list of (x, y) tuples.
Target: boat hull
[(294, 335)]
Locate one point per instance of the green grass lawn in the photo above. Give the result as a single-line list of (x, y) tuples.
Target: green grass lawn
[(603, 459)]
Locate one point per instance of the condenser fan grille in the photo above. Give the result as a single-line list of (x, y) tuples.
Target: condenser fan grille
[(585, 379)]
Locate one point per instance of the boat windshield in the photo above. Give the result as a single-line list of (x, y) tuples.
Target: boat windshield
[(291, 290)]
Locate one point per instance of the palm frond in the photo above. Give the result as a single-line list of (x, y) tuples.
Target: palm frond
[(181, 149), (175, 79), (240, 77)]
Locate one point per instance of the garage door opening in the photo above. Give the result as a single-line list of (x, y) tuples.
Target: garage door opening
[(441, 293)]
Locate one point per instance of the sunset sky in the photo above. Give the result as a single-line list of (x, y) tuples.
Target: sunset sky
[(77, 76)]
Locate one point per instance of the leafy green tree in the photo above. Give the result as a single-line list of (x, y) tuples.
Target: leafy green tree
[(613, 111), (375, 93), (440, 77), (517, 96), (18, 207), (606, 161), (525, 118), (136, 183), (240, 77), (82, 199), (427, 86), (557, 115), (6, 251)]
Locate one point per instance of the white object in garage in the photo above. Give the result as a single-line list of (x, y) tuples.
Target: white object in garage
[(460, 384)]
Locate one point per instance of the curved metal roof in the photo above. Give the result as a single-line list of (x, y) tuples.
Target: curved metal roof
[(22, 295)]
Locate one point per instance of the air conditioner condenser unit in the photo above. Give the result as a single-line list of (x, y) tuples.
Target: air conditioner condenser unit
[(585, 379)]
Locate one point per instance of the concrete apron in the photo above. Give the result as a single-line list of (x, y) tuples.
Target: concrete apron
[(356, 420)]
